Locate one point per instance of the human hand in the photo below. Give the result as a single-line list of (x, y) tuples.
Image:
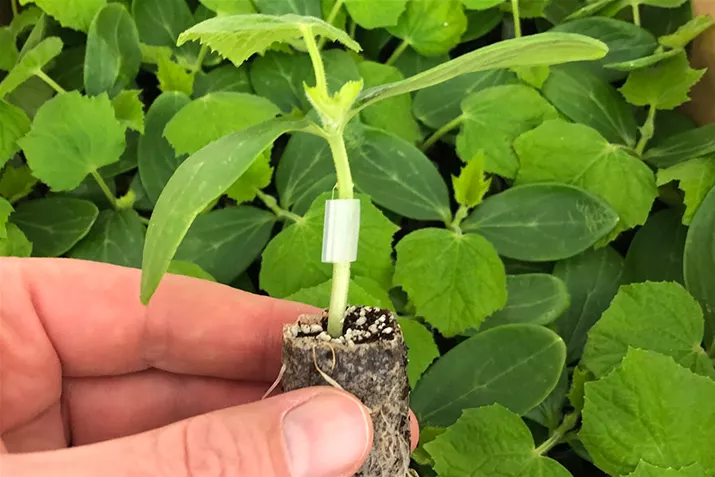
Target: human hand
[(92, 383)]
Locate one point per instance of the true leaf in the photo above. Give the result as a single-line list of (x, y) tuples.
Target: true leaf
[(421, 348), (484, 369), (16, 182), (16, 244), (55, 225), (481, 4), (454, 280), (72, 136), (5, 210), (161, 23), (696, 178), (117, 237), (257, 177), (375, 14), (279, 77), (224, 78), (410, 62), (683, 146), (687, 33), (471, 185), (127, 161), (129, 110), (188, 269), (362, 292), (8, 49), (25, 19), (431, 27), (298, 7), (75, 14), (30, 64), (15, 124), (479, 23), (542, 222), (493, 118), (645, 469), (229, 7), (173, 77), (534, 76)]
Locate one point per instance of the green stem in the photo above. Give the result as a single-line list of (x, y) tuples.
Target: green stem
[(144, 220), (437, 135), (647, 131), (272, 204), (566, 425), (41, 74), (317, 60), (13, 5), (517, 19), (197, 68), (397, 53), (105, 188), (636, 14), (352, 29), (459, 216), (331, 18)]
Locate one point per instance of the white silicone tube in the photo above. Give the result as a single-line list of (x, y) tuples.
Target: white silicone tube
[(341, 232)]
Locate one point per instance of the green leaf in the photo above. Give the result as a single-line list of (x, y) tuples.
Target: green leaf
[(683, 146), (30, 64), (481, 4), (229, 7), (587, 99), (471, 185), (256, 178), (493, 118), (113, 54), (664, 86), (15, 124), (5, 210), (480, 23), (225, 242), (55, 225), (698, 263), (657, 316), (117, 237), (454, 280), (178, 204), (8, 49), (696, 178), (129, 110), (645, 469), (72, 136), (431, 27), (362, 291), (25, 19), (161, 23), (16, 244), (411, 63), (188, 269), (128, 159), (291, 261), (298, 7), (625, 41), (542, 222), (486, 439), (534, 76), (156, 158), (238, 37), (542, 49), (592, 279), (420, 454), (421, 348), (74, 14), (393, 115), (558, 151), (371, 14), (576, 394), (226, 78), (218, 114), (652, 409), (484, 370), (687, 33), (16, 182), (173, 77)]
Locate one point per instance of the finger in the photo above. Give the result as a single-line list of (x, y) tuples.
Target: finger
[(414, 431), (98, 326), (318, 432)]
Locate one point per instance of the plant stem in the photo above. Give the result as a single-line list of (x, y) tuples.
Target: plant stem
[(316, 59), (272, 204), (566, 425), (517, 19), (144, 220), (647, 131), (105, 188), (43, 76), (200, 60), (13, 5), (352, 28), (459, 216), (636, 14), (437, 135), (331, 18), (398, 52)]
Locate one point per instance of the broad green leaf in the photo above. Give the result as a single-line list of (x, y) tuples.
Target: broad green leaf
[(281, 7), (592, 279), (421, 348), (431, 27), (687, 33), (550, 412), (30, 64), (16, 182), (16, 244), (493, 118), (113, 54), (179, 204), (680, 147), (31, 95), (542, 222), (127, 161), (5, 210), (471, 185), (542, 49), (229, 7), (646, 61), (438, 105), (657, 316), (226, 78), (411, 63), (72, 136), (393, 115), (660, 3), (25, 19), (587, 99), (15, 124), (218, 114), (645, 469), (362, 292), (292, 262), (188, 269), (696, 178), (55, 225), (117, 237), (536, 298), (534, 76), (577, 391), (586, 8), (649, 408), (490, 441), (660, 21), (173, 77), (484, 369), (664, 86), (256, 178), (479, 23), (481, 4), (156, 158), (152, 54), (129, 110), (371, 14), (575, 154), (238, 37), (74, 14), (454, 280), (38, 33), (161, 23), (662, 236), (625, 41), (8, 49)]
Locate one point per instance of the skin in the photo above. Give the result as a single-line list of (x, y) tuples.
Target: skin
[(94, 383)]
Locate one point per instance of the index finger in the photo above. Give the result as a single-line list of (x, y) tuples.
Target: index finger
[(92, 314)]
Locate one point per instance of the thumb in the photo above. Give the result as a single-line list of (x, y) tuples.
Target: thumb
[(317, 432)]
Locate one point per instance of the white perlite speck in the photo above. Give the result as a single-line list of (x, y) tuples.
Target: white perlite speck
[(387, 330), (361, 321), (316, 328)]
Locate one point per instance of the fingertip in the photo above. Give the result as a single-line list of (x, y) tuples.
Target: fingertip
[(414, 431)]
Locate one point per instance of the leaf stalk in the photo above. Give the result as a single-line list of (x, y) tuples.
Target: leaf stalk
[(331, 18), (105, 189), (198, 66), (437, 135), (50, 82), (517, 18), (647, 131), (272, 204), (397, 53), (557, 436), (13, 5), (636, 14)]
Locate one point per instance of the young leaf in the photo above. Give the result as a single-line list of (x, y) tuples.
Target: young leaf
[(362, 291), (577, 391), (16, 244), (230, 7), (15, 124), (696, 178), (371, 14), (161, 23), (173, 77), (240, 36), (592, 279), (30, 64), (113, 53), (484, 369), (117, 237), (5, 210), (493, 118), (16, 182), (291, 261), (664, 86), (486, 439), (55, 225), (542, 222), (431, 27), (129, 110), (471, 185), (649, 408), (645, 469), (455, 280), (683, 146), (74, 14), (226, 78), (687, 33), (72, 136), (256, 178), (8, 49), (660, 317), (576, 154), (421, 348), (219, 114)]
